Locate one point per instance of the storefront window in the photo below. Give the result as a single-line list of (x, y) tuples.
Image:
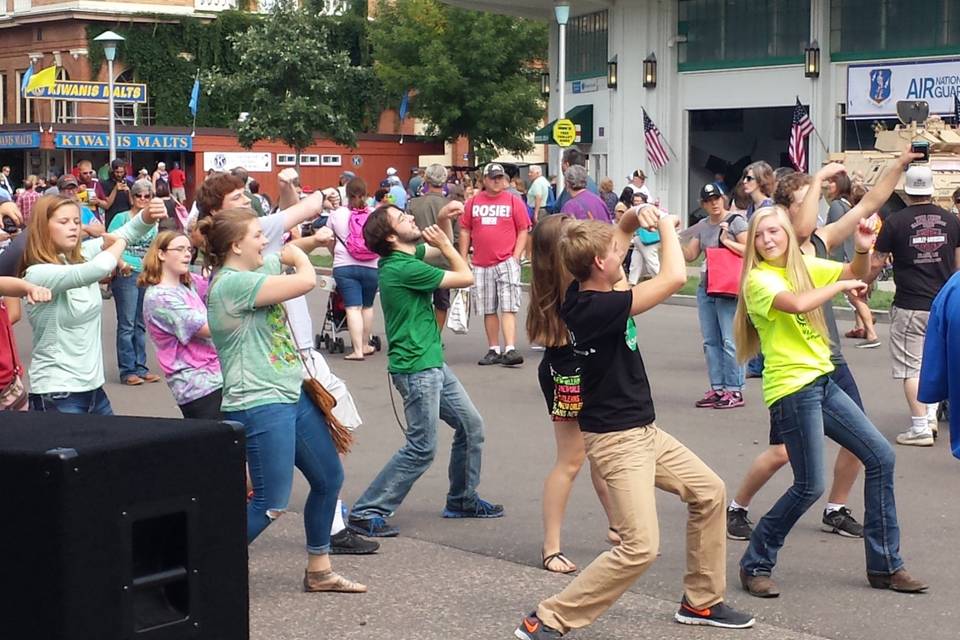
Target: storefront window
[(587, 46), (4, 113), (864, 29), (723, 34)]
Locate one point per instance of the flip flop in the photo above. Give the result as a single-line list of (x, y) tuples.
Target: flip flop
[(352, 358), (557, 556)]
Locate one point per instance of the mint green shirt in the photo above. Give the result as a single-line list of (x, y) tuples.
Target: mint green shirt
[(136, 250), (67, 351), (258, 358)]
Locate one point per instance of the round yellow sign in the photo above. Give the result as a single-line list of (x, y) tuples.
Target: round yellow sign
[(564, 132)]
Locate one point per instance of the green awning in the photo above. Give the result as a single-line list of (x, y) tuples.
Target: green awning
[(582, 117)]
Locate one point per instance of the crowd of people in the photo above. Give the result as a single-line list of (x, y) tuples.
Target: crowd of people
[(220, 289)]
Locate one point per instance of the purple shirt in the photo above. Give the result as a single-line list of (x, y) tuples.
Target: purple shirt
[(586, 205)]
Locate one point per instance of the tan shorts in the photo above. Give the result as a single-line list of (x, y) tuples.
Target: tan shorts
[(908, 328)]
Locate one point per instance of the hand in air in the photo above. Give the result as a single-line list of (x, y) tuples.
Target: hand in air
[(866, 234), (36, 295), (831, 170), (451, 211), (648, 217), (857, 287), (287, 176), (156, 211), (323, 235), (435, 237)]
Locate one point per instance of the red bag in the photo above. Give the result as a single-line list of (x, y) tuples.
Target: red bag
[(724, 267)]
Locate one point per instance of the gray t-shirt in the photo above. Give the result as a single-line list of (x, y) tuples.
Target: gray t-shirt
[(709, 234)]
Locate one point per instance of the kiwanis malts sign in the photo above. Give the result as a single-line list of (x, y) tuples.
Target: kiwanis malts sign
[(92, 92)]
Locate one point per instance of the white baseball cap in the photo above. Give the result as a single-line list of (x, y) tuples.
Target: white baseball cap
[(391, 171), (918, 181)]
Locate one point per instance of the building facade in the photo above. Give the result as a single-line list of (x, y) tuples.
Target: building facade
[(729, 72)]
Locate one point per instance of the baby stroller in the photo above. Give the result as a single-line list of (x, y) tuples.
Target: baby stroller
[(335, 320)]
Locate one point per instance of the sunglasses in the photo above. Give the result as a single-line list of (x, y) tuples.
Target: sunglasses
[(143, 195), (748, 178)]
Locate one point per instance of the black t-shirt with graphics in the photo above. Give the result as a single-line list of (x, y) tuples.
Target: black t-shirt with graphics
[(922, 240), (613, 382)]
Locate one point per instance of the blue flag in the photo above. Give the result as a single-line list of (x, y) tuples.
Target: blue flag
[(195, 97), (26, 79), (404, 103)]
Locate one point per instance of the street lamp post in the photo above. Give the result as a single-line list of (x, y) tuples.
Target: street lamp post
[(110, 40)]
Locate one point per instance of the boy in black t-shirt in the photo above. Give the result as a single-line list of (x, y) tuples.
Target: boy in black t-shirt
[(631, 453)]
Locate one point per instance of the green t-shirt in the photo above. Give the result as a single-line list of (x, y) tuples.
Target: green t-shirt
[(407, 284), (257, 355), (134, 253), (794, 353)]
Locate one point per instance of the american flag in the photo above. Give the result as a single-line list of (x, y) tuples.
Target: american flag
[(799, 132), (656, 147), (956, 108)]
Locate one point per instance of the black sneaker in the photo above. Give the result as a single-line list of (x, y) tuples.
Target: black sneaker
[(739, 526), (483, 509), (492, 357), (842, 522), (349, 543), (375, 527), (719, 615), (511, 358), (531, 628)]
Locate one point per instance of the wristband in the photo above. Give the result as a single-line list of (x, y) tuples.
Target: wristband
[(861, 253)]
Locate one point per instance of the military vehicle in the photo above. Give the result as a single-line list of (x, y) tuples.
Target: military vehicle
[(916, 125)]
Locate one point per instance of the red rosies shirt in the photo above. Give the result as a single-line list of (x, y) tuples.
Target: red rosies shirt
[(494, 222)]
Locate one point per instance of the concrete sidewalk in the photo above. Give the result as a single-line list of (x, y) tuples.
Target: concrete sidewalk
[(422, 590)]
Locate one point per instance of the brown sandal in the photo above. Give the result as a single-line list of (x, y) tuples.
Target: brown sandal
[(546, 560), (317, 581)]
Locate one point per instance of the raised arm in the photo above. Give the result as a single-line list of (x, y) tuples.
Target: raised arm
[(281, 288), (16, 288), (835, 233), (63, 277), (459, 275), (445, 217), (673, 269), (790, 302)]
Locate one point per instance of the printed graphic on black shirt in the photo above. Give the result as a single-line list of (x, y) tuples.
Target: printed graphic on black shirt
[(928, 235)]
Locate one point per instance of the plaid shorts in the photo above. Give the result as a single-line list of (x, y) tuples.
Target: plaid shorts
[(497, 288)]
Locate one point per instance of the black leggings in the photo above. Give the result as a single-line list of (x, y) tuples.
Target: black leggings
[(207, 407)]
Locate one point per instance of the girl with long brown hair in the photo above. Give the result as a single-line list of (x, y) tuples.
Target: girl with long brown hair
[(559, 376), (779, 312), (176, 320), (262, 377), (66, 365)]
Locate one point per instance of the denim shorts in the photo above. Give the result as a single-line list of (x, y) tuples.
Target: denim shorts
[(357, 285)]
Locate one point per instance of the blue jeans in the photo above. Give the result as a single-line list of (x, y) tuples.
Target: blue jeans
[(429, 396), (716, 325), (802, 418), (279, 437), (357, 285), (755, 366), (94, 402), (131, 333)]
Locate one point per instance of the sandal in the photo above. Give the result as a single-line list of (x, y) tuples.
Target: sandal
[(545, 561), (133, 380), (317, 581), (352, 358), (857, 333)]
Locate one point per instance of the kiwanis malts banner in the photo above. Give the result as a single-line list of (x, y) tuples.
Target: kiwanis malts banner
[(92, 91)]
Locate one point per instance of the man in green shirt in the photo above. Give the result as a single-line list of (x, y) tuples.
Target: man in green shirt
[(429, 388)]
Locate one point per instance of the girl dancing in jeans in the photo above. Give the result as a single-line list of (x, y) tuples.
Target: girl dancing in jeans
[(779, 313)]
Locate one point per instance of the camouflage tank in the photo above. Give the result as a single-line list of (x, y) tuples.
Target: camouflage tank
[(944, 142)]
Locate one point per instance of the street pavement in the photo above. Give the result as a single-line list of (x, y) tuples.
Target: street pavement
[(463, 579)]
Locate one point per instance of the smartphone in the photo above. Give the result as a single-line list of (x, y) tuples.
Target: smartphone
[(921, 146)]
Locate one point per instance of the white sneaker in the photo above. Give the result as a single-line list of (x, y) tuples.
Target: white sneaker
[(913, 438)]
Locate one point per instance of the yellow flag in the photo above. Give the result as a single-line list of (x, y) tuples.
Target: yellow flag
[(45, 78)]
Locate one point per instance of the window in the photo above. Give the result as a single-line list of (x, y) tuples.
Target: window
[(24, 106), (723, 34), (4, 114), (286, 159), (309, 160), (863, 29), (330, 161), (587, 46)]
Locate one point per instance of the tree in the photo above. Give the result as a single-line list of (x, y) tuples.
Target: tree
[(296, 81), (468, 73)]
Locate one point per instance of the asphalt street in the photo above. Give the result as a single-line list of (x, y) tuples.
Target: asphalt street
[(462, 579)]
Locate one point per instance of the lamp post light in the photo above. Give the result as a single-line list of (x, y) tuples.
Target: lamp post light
[(110, 40), (545, 84), (650, 71), (612, 73), (811, 60)]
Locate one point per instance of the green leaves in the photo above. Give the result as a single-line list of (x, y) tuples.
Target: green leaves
[(469, 72)]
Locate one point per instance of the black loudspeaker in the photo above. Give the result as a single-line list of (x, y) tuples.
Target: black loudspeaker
[(122, 528)]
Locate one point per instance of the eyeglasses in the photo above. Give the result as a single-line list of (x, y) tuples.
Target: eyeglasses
[(179, 249), (143, 195), (748, 178)]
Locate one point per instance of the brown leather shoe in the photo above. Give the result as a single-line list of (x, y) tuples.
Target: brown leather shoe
[(900, 581), (759, 586)]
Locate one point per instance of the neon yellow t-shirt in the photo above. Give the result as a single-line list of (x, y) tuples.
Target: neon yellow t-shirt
[(794, 353)]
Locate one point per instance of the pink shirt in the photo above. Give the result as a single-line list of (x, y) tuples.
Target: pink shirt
[(339, 222), (494, 222)]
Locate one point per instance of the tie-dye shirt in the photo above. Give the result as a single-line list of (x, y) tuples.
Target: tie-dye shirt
[(260, 362), (173, 316)]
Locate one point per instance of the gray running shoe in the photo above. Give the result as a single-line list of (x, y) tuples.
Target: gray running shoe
[(739, 526), (842, 522)]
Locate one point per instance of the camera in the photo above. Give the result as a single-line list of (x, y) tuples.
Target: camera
[(921, 146)]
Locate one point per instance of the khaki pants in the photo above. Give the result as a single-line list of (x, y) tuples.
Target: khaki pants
[(632, 463)]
